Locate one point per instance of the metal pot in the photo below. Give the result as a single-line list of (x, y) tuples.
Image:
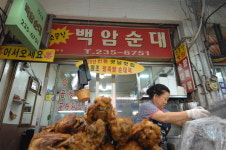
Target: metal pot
[(182, 106), (192, 105)]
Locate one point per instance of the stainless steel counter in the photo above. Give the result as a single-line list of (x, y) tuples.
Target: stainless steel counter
[(173, 142)]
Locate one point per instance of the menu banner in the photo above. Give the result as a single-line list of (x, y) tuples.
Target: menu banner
[(112, 66), (22, 53), (184, 68), (110, 41)]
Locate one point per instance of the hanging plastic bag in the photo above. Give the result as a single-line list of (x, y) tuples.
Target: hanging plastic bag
[(88, 75), (74, 83)]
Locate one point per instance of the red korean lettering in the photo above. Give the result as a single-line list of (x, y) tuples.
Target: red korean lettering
[(71, 93), (67, 106), (104, 68), (62, 94), (109, 69), (92, 61), (60, 107), (100, 61), (73, 107), (120, 70), (113, 69), (64, 82), (124, 70), (79, 106), (105, 61)]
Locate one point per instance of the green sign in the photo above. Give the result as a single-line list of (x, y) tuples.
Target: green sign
[(26, 20)]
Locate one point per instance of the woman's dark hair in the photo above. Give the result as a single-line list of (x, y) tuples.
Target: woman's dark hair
[(158, 89)]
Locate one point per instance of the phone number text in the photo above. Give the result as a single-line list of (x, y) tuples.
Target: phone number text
[(116, 52), (26, 28)]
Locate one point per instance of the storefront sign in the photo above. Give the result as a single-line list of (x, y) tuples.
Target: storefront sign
[(22, 53), (184, 68), (26, 20), (112, 66), (110, 41)]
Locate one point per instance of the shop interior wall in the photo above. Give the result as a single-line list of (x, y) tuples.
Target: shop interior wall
[(19, 88), (10, 133)]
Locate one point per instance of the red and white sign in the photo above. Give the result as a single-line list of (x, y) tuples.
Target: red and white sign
[(184, 69), (110, 41)]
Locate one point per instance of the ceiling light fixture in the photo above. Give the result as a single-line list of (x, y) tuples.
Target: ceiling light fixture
[(144, 76), (104, 75)]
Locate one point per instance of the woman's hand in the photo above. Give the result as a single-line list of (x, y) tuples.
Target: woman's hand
[(197, 113)]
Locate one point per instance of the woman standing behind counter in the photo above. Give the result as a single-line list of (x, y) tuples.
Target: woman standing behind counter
[(154, 110)]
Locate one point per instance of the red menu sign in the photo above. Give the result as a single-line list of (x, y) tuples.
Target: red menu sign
[(184, 68), (110, 41)]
